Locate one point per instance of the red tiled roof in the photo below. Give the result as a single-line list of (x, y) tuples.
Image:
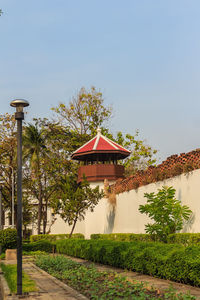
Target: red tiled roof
[(173, 166), (100, 143)]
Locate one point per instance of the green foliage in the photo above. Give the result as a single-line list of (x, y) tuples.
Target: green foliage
[(168, 261), (2, 256), (10, 273), (167, 212), (34, 253), (185, 239), (85, 112), (8, 146), (54, 237), (99, 285), (75, 199), (35, 156), (142, 155), (8, 238), (126, 237), (42, 245)]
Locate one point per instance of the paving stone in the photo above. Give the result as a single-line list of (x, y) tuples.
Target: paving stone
[(49, 288)]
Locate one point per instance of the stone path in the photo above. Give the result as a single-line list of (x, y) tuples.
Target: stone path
[(49, 288)]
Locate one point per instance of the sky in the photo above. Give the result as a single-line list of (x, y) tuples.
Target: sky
[(144, 56)]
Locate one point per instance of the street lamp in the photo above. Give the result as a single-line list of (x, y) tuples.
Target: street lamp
[(19, 116)]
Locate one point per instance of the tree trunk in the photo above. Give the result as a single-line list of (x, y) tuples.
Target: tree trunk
[(74, 224), (39, 208), (45, 218)]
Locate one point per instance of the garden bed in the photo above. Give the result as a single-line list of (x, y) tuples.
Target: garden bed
[(100, 285), (167, 261)]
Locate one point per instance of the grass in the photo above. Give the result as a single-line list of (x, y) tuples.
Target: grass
[(10, 274), (100, 285), (26, 253)]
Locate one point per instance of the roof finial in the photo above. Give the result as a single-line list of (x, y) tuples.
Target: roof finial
[(98, 130)]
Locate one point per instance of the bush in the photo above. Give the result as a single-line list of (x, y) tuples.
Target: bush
[(54, 237), (185, 239), (45, 246), (8, 238), (167, 261), (126, 237), (167, 212)]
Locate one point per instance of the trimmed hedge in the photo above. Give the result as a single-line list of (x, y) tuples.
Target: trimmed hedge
[(185, 239), (45, 246), (8, 238), (123, 237), (54, 237), (168, 261)]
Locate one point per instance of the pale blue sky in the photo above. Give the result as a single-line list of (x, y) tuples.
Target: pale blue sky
[(144, 55)]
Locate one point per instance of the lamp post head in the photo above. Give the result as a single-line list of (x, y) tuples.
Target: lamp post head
[(19, 104)]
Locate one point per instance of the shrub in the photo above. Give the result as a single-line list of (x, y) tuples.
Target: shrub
[(8, 238), (127, 237), (167, 212), (54, 237), (42, 245), (168, 261), (185, 239)]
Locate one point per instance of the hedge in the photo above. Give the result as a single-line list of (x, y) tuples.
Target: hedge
[(42, 245), (168, 261), (125, 237), (8, 238), (54, 237), (185, 239)]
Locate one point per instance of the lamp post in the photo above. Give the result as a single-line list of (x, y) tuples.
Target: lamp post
[(19, 116)]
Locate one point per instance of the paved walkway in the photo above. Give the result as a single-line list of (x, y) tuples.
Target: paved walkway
[(49, 288)]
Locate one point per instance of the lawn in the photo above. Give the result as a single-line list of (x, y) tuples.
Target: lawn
[(10, 274)]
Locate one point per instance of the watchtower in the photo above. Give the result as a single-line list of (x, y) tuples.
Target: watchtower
[(100, 159)]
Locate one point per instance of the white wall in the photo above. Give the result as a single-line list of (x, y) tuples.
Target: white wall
[(125, 217), (129, 219)]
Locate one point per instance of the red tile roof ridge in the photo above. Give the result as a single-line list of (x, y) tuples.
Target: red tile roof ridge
[(173, 166)]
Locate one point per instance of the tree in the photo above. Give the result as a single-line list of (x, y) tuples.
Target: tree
[(75, 199), (1, 12), (8, 146), (85, 112), (34, 150), (167, 212), (142, 156)]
